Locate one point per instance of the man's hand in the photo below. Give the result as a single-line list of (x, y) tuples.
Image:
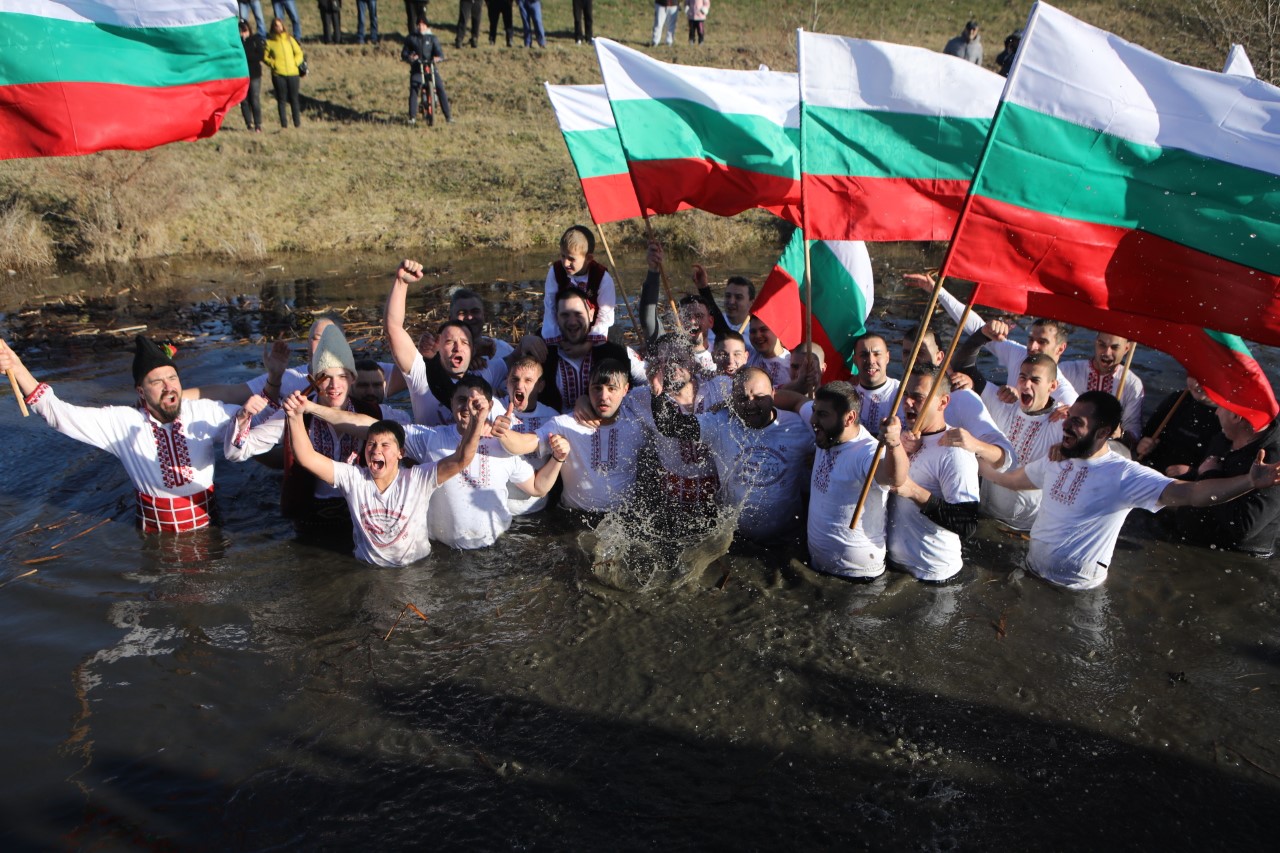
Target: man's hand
[(1056, 454), (409, 272), (891, 431), (1146, 445), (584, 414), (252, 408), (1177, 471), (996, 330), (1059, 414), (428, 346), (657, 385), (501, 426), (961, 438), (911, 442), (1262, 475), (960, 381), (534, 346), (276, 359), (655, 256), (1007, 394), (699, 276), (294, 405), (486, 347), (921, 280), (559, 447)]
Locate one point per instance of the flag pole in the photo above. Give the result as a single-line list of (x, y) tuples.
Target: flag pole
[(17, 393), (1155, 436), (662, 270), (951, 350), (1128, 363), (618, 281), (804, 209), (897, 399)]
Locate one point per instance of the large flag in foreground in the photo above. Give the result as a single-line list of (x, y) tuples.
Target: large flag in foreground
[(1130, 183), (890, 137), (716, 139), (80, 76), (586, 121), (843, 293)]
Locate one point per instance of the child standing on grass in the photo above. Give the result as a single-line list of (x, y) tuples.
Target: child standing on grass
[(577, 267), (697, 10)]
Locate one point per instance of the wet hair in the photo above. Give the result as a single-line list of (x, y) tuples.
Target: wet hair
[(674, 348), (608, 369), (971, 25), (1107, 410), (1042, 360), (473, 381), (367, 364), (743, 281), (842, 396), (387, 427), (935, 375), (730, 335), (524, 361), (464, 293), (693, 299), (1061, 329), (578, 237), (740, 378)]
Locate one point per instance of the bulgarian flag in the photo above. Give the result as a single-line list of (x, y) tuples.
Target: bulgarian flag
[(890, 137), (1128, 183), (843, 292), (716, 139), (586, 121), (80, 76)]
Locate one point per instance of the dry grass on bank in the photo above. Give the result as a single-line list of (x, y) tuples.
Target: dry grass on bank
[(355, 178)]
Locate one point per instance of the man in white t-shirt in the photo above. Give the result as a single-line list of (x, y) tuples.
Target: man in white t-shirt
[(527, 415), (876, 388), (762, 453), (768, 353), (840, 467), (388, 503), (730, 353), (1086, 496), (934, 505), (1104, 372), (489, 355)]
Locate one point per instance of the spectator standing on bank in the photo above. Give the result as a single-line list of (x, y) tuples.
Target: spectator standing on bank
[(582, 21), (331, 21), (531, 22), (967, 45), (367, 9), (284, 57), (290, 8), (698, 11), (1004, 59), (664, 21), (255, 47), (413, 10), (500, 9), (256, 7), (420, 48), (468, 10)]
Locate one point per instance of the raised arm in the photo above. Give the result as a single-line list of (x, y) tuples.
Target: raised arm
[(403, 350), (351, 423), (1214, 492), (458, 461), (305, 454), (719, 325), (650, 293)]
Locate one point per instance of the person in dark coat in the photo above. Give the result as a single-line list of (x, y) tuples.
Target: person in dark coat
[(255, 47), (419, 48)]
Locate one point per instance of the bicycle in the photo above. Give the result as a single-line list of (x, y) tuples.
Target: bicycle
[(427, 100)]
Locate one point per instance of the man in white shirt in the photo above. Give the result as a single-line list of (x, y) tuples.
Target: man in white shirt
[(876, 388), (527, 415), (166, 443), (489, 356), (388, 504), (840, 467), (1105, 372), (1087, 494)]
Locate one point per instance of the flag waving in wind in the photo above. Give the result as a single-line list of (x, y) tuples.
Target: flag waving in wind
[(716, 139), (80, 76), (592, 138), (890, 137), (1128, 183)]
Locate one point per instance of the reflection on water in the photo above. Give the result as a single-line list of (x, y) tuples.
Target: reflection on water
[(241, 691)]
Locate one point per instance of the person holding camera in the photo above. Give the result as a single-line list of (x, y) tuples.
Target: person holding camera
[(285, 59), (421, 49)]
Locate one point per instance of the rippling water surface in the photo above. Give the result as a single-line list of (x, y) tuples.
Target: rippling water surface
[(240, 691)]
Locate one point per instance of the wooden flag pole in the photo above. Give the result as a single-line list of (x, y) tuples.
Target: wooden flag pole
[(618, 281), (1128, 364), (17, 394), (1155, 436), (662, 270), (897, 398), (951, 350)]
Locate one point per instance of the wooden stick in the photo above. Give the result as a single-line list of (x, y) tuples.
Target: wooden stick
[(395, 623), (17, 393), (1155, 436), (1128, 364), (618, 281), (19, 577), (78, 535), (897, 398), (662, 270), (951, 351)]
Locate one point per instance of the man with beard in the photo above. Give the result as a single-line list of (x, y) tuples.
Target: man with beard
[(1087, 494), (840, 467), (370, 388), (388, 503), (935, 486), (1105, 372), (761, 452), (167, 444)]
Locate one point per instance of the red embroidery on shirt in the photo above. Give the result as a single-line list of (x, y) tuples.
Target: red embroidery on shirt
[(1098, 382), (573, 381), (171, 452), (1024, 444), (37, 394), (322, 439), (482, 481), (1069, 495)]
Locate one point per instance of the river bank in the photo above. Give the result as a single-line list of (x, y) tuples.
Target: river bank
[(355, 179)]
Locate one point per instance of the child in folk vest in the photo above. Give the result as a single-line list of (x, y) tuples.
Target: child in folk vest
[(578, 268)]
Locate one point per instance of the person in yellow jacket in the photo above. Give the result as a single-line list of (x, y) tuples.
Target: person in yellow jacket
[(284, 58)]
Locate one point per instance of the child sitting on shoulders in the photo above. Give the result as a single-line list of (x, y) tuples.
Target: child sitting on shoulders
[(578, 268)]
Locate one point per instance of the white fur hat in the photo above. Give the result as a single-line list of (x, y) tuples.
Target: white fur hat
[(332, 351)]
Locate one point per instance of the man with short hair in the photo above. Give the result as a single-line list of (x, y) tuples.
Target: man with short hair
[(967, 45), (840, 467), (527, 414), (697, 325), (876, 388), (1087, 494), (739, 293), (489, 357), (370, 388), (1104, 372), (730, 353), (166, 443), (934, 506)]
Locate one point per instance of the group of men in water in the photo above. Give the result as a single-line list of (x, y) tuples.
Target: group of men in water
[(725, 420)]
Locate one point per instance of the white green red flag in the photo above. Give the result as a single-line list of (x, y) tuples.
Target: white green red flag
[(80, 76), (1127, 183), (1238, 62), (890, 137), (843, 293), (716, 139), (586, 121)]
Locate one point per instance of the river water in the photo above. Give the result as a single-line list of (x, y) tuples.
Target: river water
[(240, 691)]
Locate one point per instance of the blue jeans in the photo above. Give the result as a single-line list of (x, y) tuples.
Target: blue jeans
[(531, 18), (256, 7), (372, 7), (280, 7)]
